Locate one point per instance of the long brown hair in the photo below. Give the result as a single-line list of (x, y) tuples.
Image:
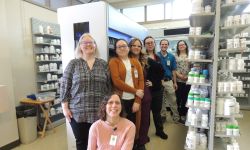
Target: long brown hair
[(102, 109), (177, 47), (141, 59)]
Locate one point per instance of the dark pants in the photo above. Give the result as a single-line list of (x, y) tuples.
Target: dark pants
[(182, 95), (127, 109), (156, 104), (81, 133), (145, 117)]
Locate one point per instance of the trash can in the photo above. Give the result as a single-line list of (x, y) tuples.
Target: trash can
[(27, 123)]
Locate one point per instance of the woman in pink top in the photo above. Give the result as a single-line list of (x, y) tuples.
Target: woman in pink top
[(112, 131)]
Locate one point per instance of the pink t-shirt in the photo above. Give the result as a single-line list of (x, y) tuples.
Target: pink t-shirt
[(100, 134)]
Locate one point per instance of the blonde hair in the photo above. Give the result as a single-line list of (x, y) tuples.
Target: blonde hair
[(78, 51)]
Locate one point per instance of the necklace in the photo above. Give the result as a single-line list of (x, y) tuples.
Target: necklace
[(113, 123)]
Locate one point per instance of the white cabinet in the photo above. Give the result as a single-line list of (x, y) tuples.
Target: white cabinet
[(104, 23)]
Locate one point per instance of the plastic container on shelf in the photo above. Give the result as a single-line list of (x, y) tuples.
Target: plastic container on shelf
[(41, 57), (204, 120), (229, 130), (207, 103), (198, 30), (229, 108), (191, 54), (236, 130), (189, 115), (191, 139), (202, 79), (202, 102), (236, 20), (220, 87), (218, 126), (196, 101), (207, 8), (232, 64), (237, 108), (40, 29), (220, 106), (196, 78), (236, 42), (190, 100), (240, 64), (239, 86), (192, 31), (243, 43), (45, 95), (205, 73), (230, 43), (226, 87)]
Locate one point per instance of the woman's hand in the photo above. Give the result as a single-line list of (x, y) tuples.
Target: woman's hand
[(135, 107), (139, 93), (66, 112), (149, 83), (183, 77)]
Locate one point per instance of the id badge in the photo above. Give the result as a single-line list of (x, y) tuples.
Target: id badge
[(136, 73), (113, 140), (168, 62)]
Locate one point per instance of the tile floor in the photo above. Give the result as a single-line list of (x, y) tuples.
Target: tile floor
[(176, 132)]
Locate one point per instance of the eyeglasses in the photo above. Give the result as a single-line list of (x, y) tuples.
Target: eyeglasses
[(182, 45), (122, 47), (112, 102), (164, 44), (87, 43), (149, 43), (136, 46)]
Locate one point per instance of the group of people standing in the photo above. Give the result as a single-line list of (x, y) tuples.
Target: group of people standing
[(108, 104)]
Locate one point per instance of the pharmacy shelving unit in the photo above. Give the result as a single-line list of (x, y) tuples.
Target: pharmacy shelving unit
[(237, 8), (222, 11), (42, 48), (207, 41), (53, 57)]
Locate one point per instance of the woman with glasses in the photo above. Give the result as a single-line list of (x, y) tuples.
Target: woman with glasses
[(135, 46), (127, 76), (182, 70), (155, 74), (111, 131), (85, 81)]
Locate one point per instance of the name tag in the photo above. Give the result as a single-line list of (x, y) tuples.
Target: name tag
[(168, 62), (113, 140), (136, 73)]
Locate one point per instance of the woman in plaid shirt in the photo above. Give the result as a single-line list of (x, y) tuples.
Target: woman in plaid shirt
[(86, 80)]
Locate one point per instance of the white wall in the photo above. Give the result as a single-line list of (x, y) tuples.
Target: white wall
[(8, 124), (23, 65), (16, 58)]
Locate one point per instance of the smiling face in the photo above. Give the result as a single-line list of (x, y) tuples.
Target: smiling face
[(136, 48), (88, 46), (182, 46), (113, 107), (164, 45), (122, 49)]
